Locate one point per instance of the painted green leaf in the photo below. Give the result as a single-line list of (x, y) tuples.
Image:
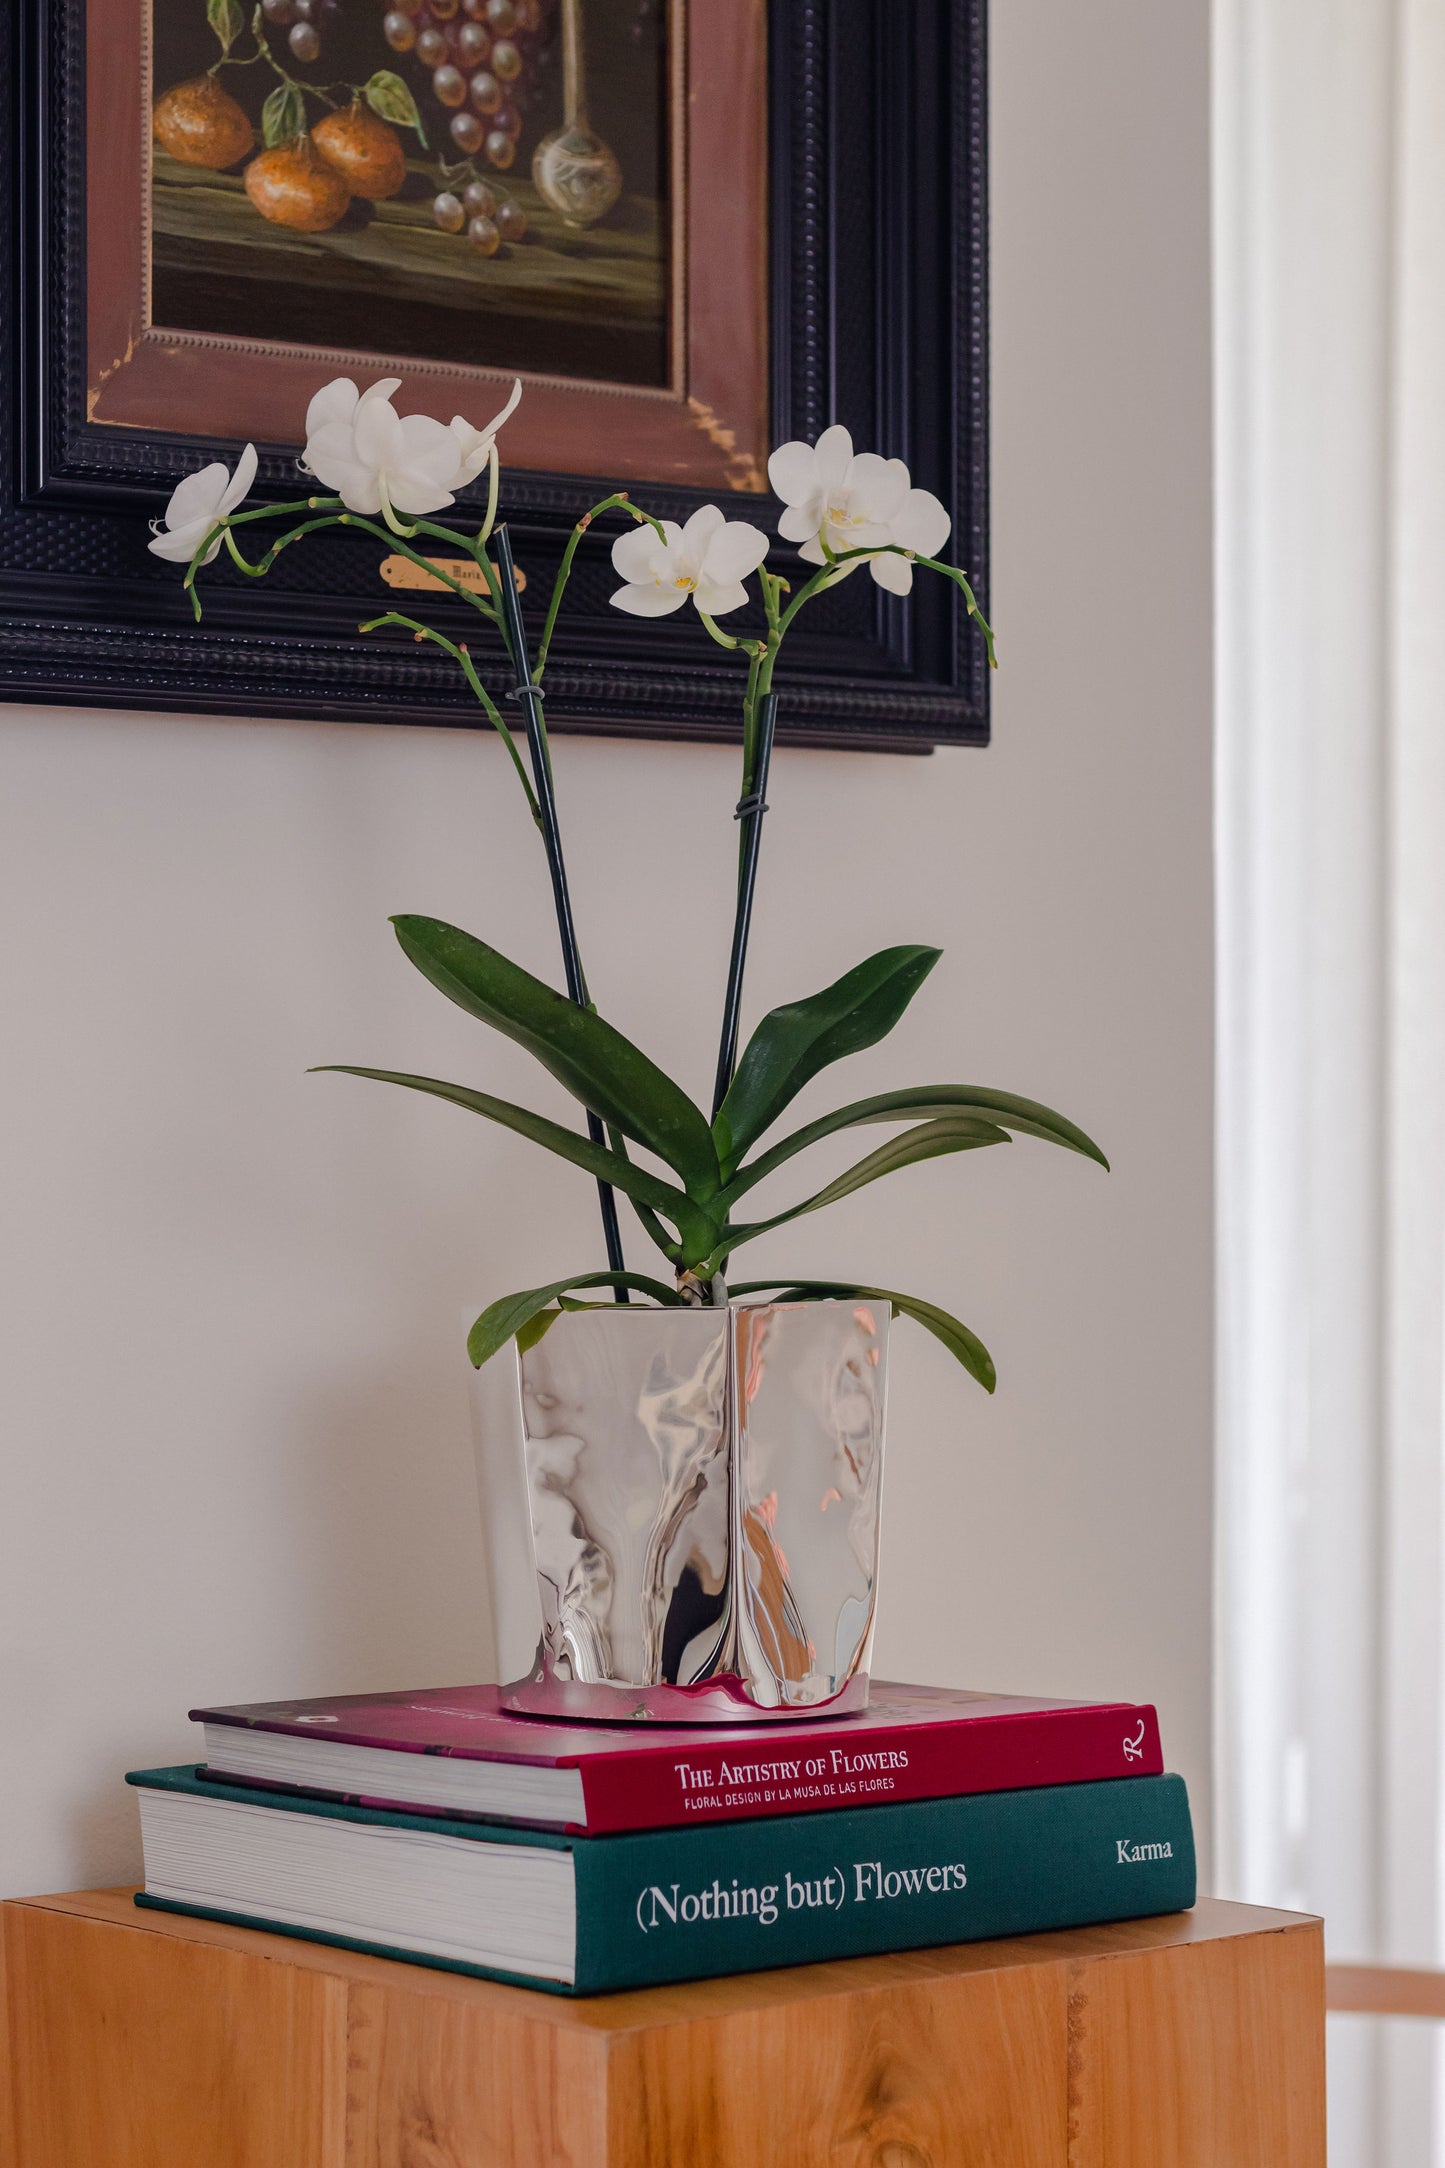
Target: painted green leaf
[(608, 1166), (793, 1043), (514, 1314), (1024, 1117), (226, 19), (964, 1345), (283, 116), (595, 1063), (390, 99)]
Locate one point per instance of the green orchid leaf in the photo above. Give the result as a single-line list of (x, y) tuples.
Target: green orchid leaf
[(283, 116), (535, 1329), (543, 1322), (793, 1043), (611, 1167), (1024, 1117), (929, 1140), (517, 1314), (595, 1063), (669, 1245), (964, 1345), (652, 1226)]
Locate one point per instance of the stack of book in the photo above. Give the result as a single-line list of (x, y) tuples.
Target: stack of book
[(438, 1828)]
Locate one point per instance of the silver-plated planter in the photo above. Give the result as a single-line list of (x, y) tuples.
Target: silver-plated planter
[(681, 1510)]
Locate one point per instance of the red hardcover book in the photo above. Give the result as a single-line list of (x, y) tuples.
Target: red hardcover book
[(455, 1750)]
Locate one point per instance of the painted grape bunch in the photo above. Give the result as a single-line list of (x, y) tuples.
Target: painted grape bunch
[(303, 22), (482, 57)]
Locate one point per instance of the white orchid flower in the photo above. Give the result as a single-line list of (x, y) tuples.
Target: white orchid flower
[(197, 503), (476, 446), (375, 459), (708, 559), (855, 500)]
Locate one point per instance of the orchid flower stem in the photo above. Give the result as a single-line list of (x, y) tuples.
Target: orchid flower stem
[(755, 784), (273, 511), (970, 600), (510, 607), (403, 549), (619, 499), (843, 558), (259, 571), (750, 703), (715, 632), (469, 545), (463, 660), (332, 513), (971, 603), (223, 527)]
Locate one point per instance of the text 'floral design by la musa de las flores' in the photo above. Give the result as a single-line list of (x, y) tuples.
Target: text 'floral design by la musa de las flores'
[(692, 1192)]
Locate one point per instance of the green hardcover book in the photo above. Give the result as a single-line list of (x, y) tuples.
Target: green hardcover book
[(583, 1915)]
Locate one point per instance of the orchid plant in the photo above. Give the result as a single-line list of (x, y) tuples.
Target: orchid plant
[(387, 473)]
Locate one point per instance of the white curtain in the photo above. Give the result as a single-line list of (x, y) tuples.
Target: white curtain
[(1330, 358)]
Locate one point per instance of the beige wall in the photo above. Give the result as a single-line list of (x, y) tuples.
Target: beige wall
[(235, 1457)]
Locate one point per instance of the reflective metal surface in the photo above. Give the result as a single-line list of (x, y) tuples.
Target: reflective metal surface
[(682, 1510)]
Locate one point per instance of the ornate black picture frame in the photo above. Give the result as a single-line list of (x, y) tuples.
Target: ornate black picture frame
[(877, 278)]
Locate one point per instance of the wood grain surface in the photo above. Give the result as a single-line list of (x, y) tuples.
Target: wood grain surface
[(1210, 2055), (9, 2148), (132, 2050), (137, 2040), (947, 2072)]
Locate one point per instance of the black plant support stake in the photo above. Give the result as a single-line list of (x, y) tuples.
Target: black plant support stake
[(530, 696), (750, 811)]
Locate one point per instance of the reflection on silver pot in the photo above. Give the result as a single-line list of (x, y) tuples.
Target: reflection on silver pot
[(682, 1510)]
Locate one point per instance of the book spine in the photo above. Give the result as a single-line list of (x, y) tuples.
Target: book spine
[(715, 1782), (694, 1903)]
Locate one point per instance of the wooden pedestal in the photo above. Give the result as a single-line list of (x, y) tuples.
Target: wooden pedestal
[(135, 2040)]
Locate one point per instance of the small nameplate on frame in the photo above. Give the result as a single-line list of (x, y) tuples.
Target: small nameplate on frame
[(401, 572)]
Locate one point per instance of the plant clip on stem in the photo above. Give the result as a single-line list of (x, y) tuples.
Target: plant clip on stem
[(750, 811), (530, 696)]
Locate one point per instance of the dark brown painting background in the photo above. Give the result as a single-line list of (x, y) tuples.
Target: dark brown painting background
[(559, 302)]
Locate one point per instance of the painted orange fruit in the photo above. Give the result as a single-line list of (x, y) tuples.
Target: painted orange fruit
[(365, 152), (201, 125), (293, 185)]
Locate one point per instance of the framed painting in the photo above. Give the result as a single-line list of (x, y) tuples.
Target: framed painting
[(694, 228)]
